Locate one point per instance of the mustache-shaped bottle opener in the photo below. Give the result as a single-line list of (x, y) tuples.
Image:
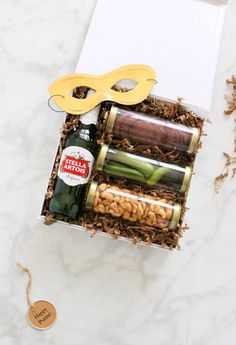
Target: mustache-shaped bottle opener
[(143, 75)]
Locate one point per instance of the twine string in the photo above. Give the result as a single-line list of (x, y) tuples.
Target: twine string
[(29, 284)]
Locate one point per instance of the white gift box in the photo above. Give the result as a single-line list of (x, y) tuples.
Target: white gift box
[(180, 39)]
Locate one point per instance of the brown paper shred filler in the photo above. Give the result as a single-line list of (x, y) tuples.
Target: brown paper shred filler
[(230, 160)]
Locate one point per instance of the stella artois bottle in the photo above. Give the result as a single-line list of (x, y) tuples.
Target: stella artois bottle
[(75, 167)]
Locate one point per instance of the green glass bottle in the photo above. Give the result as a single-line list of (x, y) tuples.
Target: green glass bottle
[(75, 167)]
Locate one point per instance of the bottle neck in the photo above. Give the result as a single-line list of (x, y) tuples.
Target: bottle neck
[(86, 132), (91, 117), (86, 129)]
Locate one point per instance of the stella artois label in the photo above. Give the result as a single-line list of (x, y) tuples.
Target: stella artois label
[(75, 166)]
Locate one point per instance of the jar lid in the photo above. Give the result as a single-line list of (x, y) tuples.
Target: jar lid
[(186, 179), (111, 119), (101, 157), (194, 140), (90, 195), (176, 216)]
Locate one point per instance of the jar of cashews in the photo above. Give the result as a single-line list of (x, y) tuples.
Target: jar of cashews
[(133, 206)]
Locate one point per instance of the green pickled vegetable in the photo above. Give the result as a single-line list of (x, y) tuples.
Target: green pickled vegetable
[(114, 168), (156, 176), (142, 166)]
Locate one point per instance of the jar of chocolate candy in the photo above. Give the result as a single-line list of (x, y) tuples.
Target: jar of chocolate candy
[(132, 206), (149, 130), (142, 169)]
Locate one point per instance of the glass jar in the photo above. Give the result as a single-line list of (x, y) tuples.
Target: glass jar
[(149, 130), (132, 206), (142, 169)]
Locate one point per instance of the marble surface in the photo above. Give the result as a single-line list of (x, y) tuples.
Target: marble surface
[(106, 292)]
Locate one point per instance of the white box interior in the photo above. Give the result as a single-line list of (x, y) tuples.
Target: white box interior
[(179, 38)]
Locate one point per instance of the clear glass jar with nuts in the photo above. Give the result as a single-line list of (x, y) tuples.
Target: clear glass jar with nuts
[(133, 206)]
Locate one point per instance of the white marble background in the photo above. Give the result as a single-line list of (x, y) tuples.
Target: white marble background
[(106, 292)]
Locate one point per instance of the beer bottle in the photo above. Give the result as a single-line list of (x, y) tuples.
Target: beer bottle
[(75, 167)]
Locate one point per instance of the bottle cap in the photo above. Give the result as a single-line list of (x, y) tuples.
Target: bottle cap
[(111, 119), (186, 179), (90, 195), (101, 157), (194, 140), (176, 216)]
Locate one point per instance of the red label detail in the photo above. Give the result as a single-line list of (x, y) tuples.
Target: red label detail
[(79, 167)]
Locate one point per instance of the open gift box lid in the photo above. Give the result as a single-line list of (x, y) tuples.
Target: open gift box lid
[(180, 39)]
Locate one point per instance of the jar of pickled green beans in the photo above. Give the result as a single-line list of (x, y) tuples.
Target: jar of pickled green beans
[(142, 169)]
